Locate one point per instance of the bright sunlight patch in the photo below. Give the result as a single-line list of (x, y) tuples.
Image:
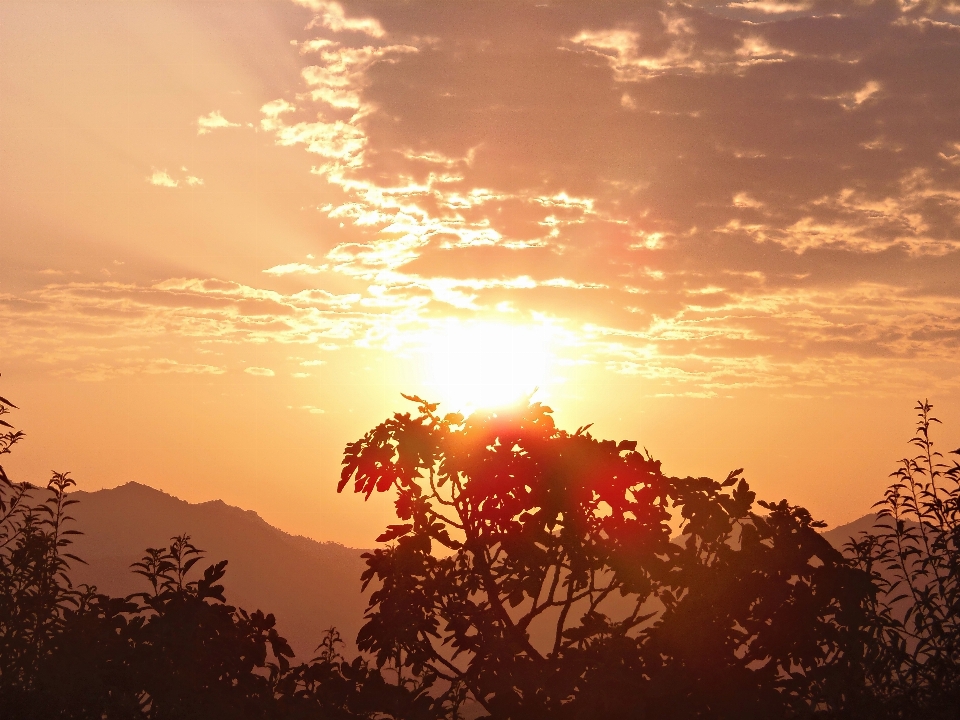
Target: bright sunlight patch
[(469, 365)]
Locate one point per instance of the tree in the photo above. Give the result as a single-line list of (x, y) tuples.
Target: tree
[(538, 569), (913, 556), (35, 591)]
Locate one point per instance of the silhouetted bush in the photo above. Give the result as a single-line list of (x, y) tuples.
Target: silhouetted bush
[(175, 652), (913, 556)]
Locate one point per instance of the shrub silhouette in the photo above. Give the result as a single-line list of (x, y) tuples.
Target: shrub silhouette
[(508, 523), (35, 591), (177, 651), (913, 556)]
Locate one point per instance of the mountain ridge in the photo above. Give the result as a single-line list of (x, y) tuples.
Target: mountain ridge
[(309, 585)]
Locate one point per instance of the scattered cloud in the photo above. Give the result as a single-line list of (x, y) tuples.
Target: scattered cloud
[(57, 273), (295, 268), (161, 178), (340, 77), (313, 410), (331, 15), (213, 121), (259, 371), (126, 366), (772, 7)]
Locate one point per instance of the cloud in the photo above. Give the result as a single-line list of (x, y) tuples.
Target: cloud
[(678, 42), (772, 7), (313, 410), (298, 268), (54, 272), (174, 326), (755, 194), (273, 110), (125, 366), (161, 178), (686, 165), (332, 16), (259, 371), (338, 80), (213, 121)]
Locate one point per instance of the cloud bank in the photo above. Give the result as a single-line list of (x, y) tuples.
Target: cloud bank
[(720, 193), (709, 195)]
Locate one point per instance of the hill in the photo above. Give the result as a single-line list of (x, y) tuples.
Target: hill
[(840, 535), (307, 585)]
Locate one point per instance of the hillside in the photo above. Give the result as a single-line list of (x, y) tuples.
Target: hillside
[(308, 585), (840, 535)]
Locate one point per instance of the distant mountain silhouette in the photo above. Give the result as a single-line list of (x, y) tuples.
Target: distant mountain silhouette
[(840, 535), (307, 585)]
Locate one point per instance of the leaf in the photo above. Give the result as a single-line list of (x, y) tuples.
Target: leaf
[(732, 477), (394, 531)]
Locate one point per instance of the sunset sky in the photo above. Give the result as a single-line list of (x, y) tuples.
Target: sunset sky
[(233, 232)]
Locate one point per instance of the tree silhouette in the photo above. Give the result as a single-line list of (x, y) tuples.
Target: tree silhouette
[(35, 592), (536, 567), (913, 556)]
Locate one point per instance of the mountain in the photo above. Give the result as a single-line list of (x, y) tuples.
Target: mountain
[(840, 535), (308, 585)]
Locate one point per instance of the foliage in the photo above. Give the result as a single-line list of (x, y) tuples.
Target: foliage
[(533, 573), (35, 591), (177, 651), (536, 568), (913, 555)]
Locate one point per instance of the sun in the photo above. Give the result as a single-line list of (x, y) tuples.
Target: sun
[(478, 364)]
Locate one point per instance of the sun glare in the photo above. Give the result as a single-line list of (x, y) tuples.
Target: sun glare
[(470, 365)]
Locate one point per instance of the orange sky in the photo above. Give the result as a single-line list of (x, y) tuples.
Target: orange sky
[(232, 233)]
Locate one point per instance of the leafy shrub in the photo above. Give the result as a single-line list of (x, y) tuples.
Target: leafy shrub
[(34, 589), (175, 652), (913, 556), (510, 528)]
